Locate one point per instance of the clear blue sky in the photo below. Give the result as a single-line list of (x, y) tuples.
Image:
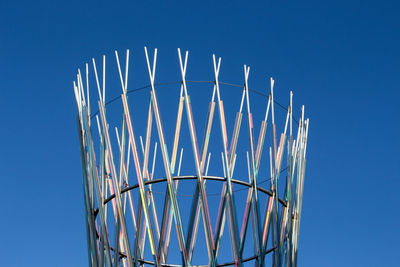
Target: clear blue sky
[(341, 58)]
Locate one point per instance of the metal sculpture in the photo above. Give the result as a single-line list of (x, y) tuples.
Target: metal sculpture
[(129, 234)]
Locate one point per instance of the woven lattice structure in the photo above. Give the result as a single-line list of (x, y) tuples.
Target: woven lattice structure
[(131, 208)]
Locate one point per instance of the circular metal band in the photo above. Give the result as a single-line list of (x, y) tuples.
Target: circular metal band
[(193, 177)]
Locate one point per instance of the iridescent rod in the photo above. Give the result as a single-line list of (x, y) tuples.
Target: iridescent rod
[(128, 225)]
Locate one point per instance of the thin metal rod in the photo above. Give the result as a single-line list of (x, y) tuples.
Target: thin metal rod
[(171, 185), (229, 192), (203, 196)]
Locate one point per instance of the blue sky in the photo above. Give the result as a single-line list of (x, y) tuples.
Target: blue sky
[(340, 58)]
